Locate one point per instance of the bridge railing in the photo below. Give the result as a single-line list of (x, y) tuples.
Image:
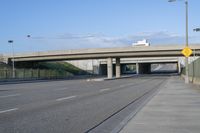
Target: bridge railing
[(33, 74)]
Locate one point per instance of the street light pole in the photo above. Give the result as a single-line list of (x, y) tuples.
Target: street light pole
[(186, 58), (187, 44), (13, 59)]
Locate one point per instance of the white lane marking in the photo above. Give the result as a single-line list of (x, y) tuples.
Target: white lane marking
[(13, 95), (4, 111), (107, 89), (60, 89), (65, 98)]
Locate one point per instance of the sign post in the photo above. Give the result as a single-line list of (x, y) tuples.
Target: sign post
[(186, 52)]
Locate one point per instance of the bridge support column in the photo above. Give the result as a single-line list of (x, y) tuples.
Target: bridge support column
[(109, 68), (179, 67), (118, 68), (137, 68)]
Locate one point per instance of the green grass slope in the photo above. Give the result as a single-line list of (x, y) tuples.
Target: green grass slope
[(59, 66)]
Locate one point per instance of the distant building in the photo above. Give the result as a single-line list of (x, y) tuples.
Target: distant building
[(141, 43)]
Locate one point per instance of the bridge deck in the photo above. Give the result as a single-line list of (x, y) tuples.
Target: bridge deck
[(125, 52)]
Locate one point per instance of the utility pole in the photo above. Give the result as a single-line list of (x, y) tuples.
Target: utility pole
[(13, 59), (186, 43), (186, 58)]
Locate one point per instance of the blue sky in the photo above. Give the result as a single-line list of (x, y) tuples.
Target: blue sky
[(73, 24)]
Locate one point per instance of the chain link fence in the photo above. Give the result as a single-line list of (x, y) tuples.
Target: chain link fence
[(33, 74), (194, 71)]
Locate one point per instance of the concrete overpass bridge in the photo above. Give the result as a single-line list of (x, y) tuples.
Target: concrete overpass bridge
[(106, 53)]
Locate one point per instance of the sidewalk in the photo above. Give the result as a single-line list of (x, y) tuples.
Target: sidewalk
[(175, 109)]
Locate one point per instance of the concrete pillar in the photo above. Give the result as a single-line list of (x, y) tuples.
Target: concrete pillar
[(179, 67), (109, 68), (137, 68), (118, 68)]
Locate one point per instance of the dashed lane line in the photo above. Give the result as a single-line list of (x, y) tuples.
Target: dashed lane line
[(13, 95), (9, 110), (65, 98), (107, 89)]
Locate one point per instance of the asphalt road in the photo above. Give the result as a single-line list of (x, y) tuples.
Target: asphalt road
[(72, 106)]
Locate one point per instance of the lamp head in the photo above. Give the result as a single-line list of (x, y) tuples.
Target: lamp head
[(10, 41), (197, 29), (171, 0)]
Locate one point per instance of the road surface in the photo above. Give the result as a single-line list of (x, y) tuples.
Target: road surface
[(72, 106)]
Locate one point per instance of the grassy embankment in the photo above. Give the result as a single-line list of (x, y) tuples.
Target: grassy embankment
[(40, 70), (57, 66)]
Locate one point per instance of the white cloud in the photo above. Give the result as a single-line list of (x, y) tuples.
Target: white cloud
[(78, 41), (162, 37)]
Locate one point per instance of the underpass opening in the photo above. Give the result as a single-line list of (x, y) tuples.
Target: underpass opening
[(129, 68), (137, 66), (164, 68), (125, 69), (144, 68)]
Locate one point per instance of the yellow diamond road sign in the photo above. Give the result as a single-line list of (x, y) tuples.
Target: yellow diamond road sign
[(186, 52)]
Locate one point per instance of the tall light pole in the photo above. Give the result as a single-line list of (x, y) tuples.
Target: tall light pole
[(13, 59), (196, 30), (186, 26)]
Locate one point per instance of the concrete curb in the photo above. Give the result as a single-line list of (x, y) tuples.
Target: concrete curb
[(130, 76), (104, 79)]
